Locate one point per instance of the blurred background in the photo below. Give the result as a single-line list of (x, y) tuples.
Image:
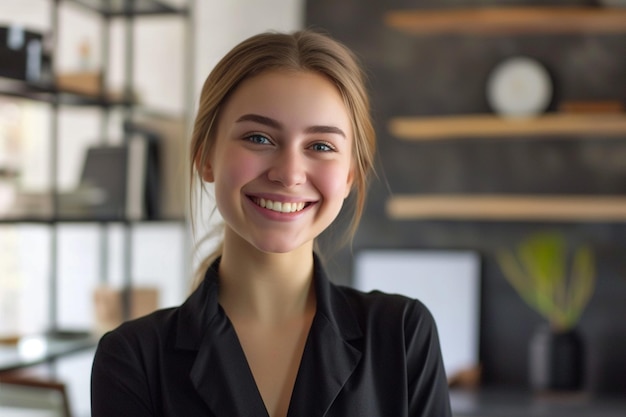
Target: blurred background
[(499, 200)]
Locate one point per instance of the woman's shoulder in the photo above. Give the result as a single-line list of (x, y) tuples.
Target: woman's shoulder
[(394, 320), (387, 307), (151, 329)]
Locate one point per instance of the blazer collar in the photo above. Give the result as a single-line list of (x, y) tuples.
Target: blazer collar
[(221, 374), (198, 311), (329, 357)]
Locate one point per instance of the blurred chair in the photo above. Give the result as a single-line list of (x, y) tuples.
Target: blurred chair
[(32, 397)]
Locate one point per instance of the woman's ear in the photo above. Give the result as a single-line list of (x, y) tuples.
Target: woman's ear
[(350, 182), (204, 168)]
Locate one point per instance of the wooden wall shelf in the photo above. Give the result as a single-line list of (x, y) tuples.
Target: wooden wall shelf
[(485, 126), (508, 20), (507, 208)]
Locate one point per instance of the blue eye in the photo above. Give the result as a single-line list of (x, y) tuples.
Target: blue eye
[(258, 139), (322, 147)]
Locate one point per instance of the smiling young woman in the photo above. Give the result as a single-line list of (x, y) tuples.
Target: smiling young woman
[(285, 139), (283, 133)]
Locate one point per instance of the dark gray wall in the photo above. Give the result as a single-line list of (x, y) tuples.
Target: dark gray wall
[(445, 74)]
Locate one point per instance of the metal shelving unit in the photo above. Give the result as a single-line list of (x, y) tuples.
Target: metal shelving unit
[(108, 11)]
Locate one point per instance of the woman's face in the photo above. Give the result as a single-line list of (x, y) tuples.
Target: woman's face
[(282, 160)]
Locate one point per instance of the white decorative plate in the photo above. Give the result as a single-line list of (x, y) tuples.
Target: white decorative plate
[(519, 87)]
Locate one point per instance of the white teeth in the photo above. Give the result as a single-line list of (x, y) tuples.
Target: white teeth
[(280, 207)]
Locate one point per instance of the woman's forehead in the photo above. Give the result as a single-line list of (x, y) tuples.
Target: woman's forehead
[(289, 96)]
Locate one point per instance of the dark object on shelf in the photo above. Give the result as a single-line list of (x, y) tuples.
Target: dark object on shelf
[(556, 360), (118, 182), (22, 54), (106, 169), (171, 178), (144, 178)]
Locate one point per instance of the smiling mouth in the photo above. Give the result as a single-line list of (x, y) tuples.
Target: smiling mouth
[(278, 206)]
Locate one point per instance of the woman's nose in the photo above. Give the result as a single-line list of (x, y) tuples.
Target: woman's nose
[(288, 168)]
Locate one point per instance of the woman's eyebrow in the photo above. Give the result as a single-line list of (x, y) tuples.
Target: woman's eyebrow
[(275, 124), (264, 120), (325, 129)]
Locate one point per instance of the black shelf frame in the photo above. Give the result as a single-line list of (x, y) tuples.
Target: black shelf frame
[(117, 8)]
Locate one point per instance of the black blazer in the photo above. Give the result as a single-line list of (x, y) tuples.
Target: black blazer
[(366, 355)]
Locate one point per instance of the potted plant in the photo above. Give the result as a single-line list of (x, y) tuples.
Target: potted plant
[(557, 282)]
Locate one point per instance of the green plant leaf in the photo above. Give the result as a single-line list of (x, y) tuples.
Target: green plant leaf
[(538, 271)]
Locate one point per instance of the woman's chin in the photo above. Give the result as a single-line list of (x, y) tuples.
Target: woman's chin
[(280, 247)]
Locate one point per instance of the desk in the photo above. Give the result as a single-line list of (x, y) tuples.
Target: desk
[(503, 403), (34, 350)]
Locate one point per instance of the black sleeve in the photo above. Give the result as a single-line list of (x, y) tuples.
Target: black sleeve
[(118, 383), (427, 383)]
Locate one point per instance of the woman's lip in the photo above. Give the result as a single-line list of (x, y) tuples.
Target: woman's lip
[(281, 198), (287, 207), (278, 215)]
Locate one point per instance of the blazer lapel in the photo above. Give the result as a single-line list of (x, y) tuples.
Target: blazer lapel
[(220, 373), (329, 359), (222, 376)]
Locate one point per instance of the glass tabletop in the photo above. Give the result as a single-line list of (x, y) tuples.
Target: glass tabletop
[(36, 349)]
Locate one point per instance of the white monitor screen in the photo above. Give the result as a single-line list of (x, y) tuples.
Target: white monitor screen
[(447, 282)]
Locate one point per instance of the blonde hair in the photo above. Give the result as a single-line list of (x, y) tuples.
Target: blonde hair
[(299, 51)]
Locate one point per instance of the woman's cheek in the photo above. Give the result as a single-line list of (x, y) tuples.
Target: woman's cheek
[(242, 168), (334, 182)]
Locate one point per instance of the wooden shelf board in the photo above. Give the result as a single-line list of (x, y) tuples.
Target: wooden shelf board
[(50, 94), (508, 207), (485, 126), (508, 20)]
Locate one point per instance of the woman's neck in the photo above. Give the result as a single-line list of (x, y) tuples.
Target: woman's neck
[(266, 287)]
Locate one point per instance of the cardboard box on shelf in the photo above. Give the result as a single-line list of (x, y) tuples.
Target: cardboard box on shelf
[(109, 305), (88, 83)]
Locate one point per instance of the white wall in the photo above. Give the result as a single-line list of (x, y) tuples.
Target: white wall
[(222, 24)]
